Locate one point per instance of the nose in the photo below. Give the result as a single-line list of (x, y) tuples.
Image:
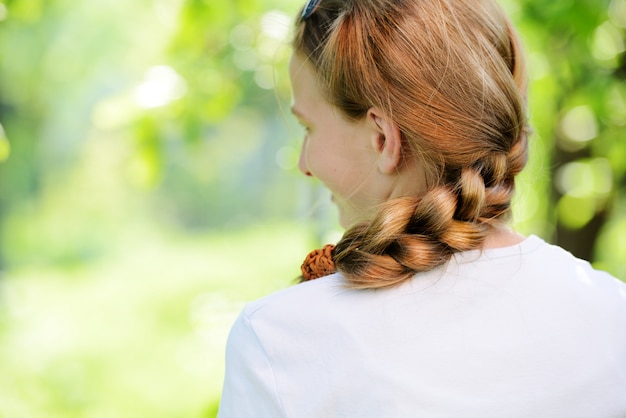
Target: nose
[(302, 162)]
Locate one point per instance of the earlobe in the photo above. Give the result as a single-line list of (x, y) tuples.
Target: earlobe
[(387, 140)]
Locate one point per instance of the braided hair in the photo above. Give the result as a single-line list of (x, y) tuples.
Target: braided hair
[(451, 75)]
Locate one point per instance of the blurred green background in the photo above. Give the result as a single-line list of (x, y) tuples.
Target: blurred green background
[(148, 185)]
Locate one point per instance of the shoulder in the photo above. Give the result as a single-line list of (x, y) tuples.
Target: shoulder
[(293, 320), (561, 262), (312, 295), (558, 273), (541, 258)]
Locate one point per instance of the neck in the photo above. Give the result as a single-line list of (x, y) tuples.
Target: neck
[(502, 236)]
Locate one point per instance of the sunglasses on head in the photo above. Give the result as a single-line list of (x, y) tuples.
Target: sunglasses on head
[(310, 7)]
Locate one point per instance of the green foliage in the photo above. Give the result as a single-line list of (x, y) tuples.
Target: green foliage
[(578, 110), (140, 333), (135, 137)]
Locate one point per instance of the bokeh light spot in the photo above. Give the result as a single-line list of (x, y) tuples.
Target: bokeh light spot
[(241, 37), (276, 25), (606, 42), (161, 86), (4, 12), (287, 158), (585, 178), (579, 124), (575, 212), (617, 13), (264, 77), (616, 106), (245, 59), (575, 179)]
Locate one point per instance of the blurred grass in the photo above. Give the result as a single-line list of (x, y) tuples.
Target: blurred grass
[(140, 333)]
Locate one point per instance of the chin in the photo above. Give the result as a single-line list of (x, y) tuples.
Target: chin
[(344, 220), (353, 216), (344, 224), (348, 220)]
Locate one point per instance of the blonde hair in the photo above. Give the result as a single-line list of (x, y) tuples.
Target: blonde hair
[(451, 75)]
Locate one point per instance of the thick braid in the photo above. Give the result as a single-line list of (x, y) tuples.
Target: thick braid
[(413, 234), (408, 235), (472, 194), (499, 171)]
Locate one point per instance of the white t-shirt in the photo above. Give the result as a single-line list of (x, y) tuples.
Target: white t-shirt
[(522, 331)]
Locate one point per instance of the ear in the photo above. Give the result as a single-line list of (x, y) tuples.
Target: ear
[(386, 140)]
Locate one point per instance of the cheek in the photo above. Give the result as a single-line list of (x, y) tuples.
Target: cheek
[(334, 167), (316, 157), (326, 168)]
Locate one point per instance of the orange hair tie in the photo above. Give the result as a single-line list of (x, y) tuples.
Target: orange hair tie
[(318, 263)]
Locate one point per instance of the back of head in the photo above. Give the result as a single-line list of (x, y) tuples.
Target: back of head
[(450, 74)]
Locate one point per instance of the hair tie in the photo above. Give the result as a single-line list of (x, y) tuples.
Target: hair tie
[(318, 263)]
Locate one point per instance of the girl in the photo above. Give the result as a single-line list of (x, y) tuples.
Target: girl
[(430, 305)]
